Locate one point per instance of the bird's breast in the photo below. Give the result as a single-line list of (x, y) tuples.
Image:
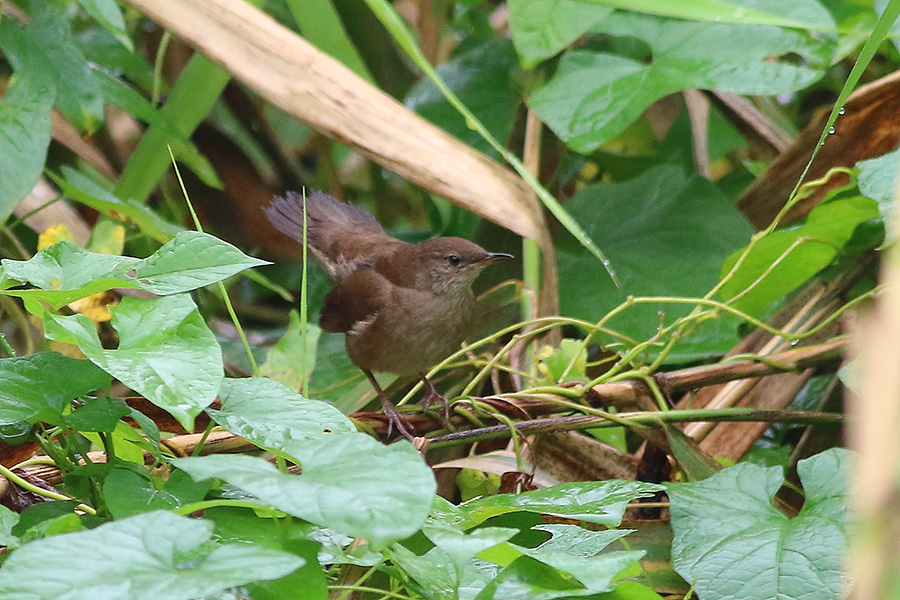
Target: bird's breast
[(412, 333)]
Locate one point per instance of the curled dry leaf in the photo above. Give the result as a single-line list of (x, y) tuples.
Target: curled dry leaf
[(868, 127)]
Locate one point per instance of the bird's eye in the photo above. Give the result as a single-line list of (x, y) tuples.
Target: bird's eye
[(454, 260)]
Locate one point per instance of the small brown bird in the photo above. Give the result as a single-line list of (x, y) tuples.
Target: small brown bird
[(402, 307)]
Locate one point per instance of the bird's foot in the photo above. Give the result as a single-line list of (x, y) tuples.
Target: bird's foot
[(431, 396), (396, 420)]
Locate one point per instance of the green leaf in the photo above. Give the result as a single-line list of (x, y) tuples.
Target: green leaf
[(802, 14), (155, 555), (166, 352), (106, 53), (46, 43), (310, 577), (107, 13), (248, 526), (668, 238), (877, 180), (532, 579), (64, 272), (24, 130), (321, 26), (336, 378), (97, 414), (8, 520), (350, 483), (118, 93), (433, 573), (89, 193), (594, 96), (189, 261), (789, 257), (600, 502), (542, 28), (630, 590), (131, 491), (695, 463), (272, 416), (462, 547), (288, 361), (35, 516), (43, 384), (575, 551), (732, 543), (482, 78), (148, 427)]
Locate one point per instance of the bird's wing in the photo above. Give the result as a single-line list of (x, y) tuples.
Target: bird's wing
[(354, 301)]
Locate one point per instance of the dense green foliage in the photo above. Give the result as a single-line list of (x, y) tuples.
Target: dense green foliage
[(315, 506)]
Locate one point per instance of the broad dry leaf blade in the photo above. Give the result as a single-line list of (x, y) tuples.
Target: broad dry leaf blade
[(292, 74)]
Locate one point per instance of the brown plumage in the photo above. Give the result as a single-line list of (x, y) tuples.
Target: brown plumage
[(402, 307)]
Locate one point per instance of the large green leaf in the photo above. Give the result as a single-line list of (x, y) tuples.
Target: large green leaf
[(24, 128), (878, 180), (600, 502), (532, 579), (576, 551), (292, 359), (789, 257), (46, 43), (266, 530), (64, 272), (155, 555), (350, 483), (189, 261), (482, 77), (272, 416), (8, 520), (595, 95), (130, 491), (461, 547), (166, 352), (43, 384), (665, 233), (731, 542), (541, 28)]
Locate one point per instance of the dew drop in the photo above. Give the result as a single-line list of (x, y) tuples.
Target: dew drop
[(822, 143), (840, 112), (794, 342), (831, 131)]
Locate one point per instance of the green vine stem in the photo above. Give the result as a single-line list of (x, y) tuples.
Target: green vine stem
[(28, 486)]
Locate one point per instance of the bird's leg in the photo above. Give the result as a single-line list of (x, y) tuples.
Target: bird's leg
[(431, 395), (394, 418)]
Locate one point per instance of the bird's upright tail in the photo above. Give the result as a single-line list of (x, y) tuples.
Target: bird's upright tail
[(333, 230), (325, 214)]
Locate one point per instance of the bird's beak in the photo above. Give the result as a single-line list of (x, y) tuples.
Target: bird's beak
[(492, 256)]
